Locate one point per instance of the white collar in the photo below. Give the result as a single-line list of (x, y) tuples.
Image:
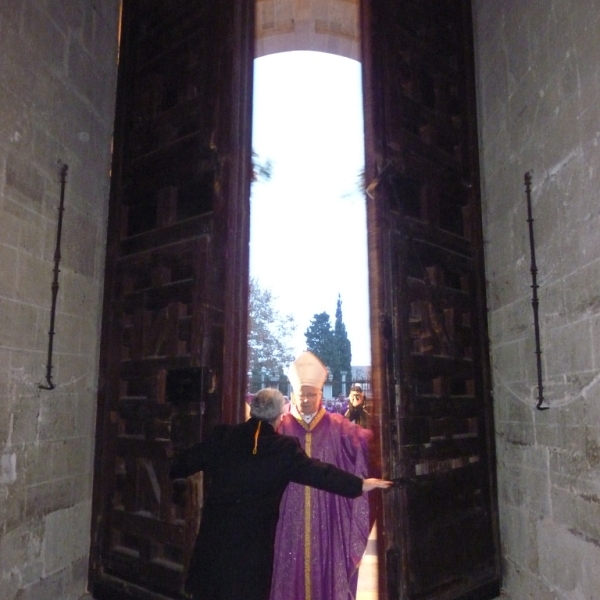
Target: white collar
[(306, 418)]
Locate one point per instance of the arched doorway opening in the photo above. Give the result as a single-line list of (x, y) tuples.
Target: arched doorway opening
[(308, 123), (308, 234)]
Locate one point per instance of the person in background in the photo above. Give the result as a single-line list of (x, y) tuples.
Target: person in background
[(321, 538), (344, 402), (248, 467), (357, 412)]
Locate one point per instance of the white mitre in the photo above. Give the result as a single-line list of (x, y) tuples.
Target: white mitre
[(307, 369)]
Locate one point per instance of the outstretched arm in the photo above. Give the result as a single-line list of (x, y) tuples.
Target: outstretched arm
[(328, 477)]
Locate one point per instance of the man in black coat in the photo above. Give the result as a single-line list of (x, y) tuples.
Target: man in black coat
[(248, 467)]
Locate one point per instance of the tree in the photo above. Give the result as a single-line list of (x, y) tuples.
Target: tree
[(261, 171), (319, 338), (269, 336), (342, 355), (331, 345)]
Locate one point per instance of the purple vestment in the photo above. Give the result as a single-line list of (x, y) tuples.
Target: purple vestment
[(321, 537)]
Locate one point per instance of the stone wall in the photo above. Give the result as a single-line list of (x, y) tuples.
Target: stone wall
[(538, 66), (57, 82)]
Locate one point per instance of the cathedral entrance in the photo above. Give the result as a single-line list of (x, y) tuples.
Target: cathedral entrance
[(174, 333)]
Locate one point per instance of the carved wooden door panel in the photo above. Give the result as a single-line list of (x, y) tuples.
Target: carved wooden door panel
[(174, 330), (439, 527)]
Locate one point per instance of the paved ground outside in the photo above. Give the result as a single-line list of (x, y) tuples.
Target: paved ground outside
[(367, 573)]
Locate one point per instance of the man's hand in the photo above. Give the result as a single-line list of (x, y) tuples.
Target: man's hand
[(373, 483)]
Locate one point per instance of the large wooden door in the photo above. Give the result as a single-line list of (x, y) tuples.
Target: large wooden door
[(439, 528), (174, 326)]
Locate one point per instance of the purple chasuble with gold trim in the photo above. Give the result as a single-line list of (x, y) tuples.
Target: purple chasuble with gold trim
[(321, 537)]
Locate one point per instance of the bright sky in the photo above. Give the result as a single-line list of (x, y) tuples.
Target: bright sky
[(308, 224)]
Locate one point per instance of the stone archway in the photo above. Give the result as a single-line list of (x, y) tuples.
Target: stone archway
[(319, 25)]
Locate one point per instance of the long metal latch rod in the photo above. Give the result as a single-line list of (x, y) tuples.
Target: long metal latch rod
[(534, 299), (61, 207)]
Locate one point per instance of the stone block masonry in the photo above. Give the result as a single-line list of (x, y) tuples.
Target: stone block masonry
[(57, 87), (538, 78)]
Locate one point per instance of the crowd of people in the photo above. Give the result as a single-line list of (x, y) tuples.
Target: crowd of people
[(337, 405), (286, 515)]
